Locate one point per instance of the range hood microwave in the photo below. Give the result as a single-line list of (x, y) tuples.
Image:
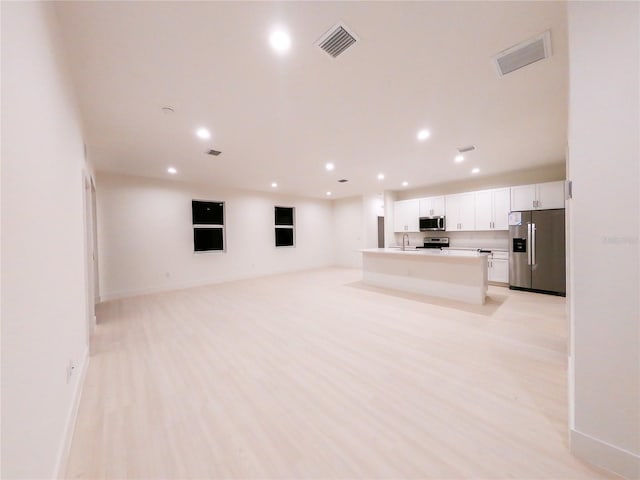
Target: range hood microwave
[(428, 224)]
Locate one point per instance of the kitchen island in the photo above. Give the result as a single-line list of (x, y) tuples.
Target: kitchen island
[(456, 275)]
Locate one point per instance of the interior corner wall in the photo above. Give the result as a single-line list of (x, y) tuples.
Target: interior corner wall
[(145, 235), (44, 323), (604, 167)]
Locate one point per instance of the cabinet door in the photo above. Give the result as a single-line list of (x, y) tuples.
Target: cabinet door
[(501, 208), (406, 216), (523, 197), (484, 210), (550, 195), (399, 217), (499, 271), (425, 207), (452, 212), (467, 211), (437, 205), (412, 218)]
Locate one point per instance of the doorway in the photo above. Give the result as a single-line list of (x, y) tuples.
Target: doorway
[(380, 232)]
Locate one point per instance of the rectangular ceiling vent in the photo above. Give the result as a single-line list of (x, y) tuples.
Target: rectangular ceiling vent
[(523, 54), (215, 153), (337, 40), (469, 148)]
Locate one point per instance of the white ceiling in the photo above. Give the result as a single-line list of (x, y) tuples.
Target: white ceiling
[(282, 117)]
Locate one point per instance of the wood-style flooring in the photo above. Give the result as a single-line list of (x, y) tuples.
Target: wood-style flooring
[(314, 375)]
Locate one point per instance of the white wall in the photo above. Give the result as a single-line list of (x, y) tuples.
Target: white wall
[(145, 235), (355, 226), (547, 173), (348, 230), (604, 165), (43, 289)]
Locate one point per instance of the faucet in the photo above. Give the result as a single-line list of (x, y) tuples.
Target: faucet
[(405, 235)]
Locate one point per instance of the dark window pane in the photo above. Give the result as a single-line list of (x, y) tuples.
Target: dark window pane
[(207, 213), (284, 215), (284, 237), (205, 239)]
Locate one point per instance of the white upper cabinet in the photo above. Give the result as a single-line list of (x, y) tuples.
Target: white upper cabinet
[(541, 196), (432, 207), (406, 216), (460, 212), (550, 195), (492, 209)]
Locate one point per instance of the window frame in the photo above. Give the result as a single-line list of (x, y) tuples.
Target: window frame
[(291, 227), (213, 226)]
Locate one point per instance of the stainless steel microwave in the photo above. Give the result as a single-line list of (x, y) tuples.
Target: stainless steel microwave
[(432, 223)]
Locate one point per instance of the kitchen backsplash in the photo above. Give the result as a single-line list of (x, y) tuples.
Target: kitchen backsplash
[(497, 239)]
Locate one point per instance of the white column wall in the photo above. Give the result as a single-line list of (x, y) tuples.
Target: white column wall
[(604, 166)]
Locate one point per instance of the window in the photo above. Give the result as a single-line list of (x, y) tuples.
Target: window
[(285, 226), (208, 226)]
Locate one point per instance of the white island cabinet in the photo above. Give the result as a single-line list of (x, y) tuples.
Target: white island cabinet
[(455, 275)]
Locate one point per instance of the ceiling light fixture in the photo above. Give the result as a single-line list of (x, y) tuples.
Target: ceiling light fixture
[(459, 158), (381, 176), (404, 184), (328, 194), (423, 135), (475, 170), (274, 185), (203, 133), (172, 170), (330, 167), (280, 41)]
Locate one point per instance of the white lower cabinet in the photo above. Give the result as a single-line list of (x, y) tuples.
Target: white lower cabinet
[(498, 267)]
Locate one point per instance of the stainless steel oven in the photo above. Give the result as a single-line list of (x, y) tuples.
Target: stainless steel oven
[(432, 223)]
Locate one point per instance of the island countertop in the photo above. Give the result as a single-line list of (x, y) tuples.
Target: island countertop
[(457, 275)]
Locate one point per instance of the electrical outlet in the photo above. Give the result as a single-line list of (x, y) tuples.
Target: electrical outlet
[(71, 368)]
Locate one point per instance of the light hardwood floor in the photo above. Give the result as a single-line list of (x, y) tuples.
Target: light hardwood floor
[(314, 375)]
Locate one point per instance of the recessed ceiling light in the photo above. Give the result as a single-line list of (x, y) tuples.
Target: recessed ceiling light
[(423, 135), (172, 170), (274, 185), (329, 166), (459, 158), (475, 170), (328, 194), (404, 184), (203, 133), (381, 176), (280, 41)]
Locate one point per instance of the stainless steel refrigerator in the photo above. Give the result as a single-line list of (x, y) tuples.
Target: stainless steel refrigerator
[(537, 251)]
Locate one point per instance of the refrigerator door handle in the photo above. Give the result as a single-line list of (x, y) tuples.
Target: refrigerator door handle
[(533, 243), (529, 244)]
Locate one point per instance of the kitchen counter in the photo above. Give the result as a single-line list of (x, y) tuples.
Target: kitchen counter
[(453, 274)]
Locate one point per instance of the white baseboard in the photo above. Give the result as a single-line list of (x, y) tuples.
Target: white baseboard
[(72, 415), (118, 295), (605, 455)]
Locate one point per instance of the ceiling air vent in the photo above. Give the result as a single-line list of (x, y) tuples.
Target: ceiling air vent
[(523, 54), (337, 40), (215, 153), (343, 180), (469, 148)]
